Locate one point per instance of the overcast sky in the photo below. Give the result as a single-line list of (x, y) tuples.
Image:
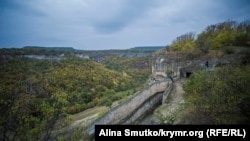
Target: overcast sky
[(110, 24)]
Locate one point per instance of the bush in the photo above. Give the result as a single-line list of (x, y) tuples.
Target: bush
[(221, 94)]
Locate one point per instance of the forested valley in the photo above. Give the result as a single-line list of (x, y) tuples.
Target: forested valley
[(36, 93)]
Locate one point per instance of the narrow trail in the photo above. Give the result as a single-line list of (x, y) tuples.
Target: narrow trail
[(174, 103), (176, 97), (169, 109), (82, 119)]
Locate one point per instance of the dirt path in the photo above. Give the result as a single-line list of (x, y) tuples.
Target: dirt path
[(88, 112), (176, 97), (167, 112), (82, 119), (87, 116)]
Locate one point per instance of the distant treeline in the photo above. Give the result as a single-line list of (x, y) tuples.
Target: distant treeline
[(148, 48), (67, 51), (50, 48)]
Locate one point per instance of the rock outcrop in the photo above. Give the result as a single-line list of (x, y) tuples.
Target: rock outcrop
[(176, 65)]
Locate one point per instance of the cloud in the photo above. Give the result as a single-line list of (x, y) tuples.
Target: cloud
[(99, 24), (113, 16)]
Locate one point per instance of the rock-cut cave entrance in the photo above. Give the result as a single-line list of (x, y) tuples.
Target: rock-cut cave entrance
[(188, 74)]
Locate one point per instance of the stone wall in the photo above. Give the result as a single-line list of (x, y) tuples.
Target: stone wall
[(121, 113), (144, 108)]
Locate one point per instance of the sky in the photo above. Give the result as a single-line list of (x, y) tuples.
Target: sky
[(110, 24)]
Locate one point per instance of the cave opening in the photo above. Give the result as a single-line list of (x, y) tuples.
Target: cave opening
[(188, 74)]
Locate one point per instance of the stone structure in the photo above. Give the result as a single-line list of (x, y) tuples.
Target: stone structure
[(178, 66), (133, 108)]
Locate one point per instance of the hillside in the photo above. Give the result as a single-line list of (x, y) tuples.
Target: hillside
[(36, 93), (216, 68)]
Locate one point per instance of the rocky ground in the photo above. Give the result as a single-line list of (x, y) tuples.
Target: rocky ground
[(168, 113)]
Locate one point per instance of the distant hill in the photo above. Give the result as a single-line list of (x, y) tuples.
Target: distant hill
[(50, 48), (148, 48)]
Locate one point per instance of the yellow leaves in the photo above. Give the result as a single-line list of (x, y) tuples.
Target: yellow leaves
[(92, 90), (46, 109), (96, 100), (124, 74), (59, 97), (183, 43), (115, 82)]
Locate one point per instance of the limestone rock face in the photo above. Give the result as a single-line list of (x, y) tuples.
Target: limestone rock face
[(175, 65)]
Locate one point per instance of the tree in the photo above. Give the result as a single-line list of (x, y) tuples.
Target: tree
[(224, 35), (219, 95), (184, 42)]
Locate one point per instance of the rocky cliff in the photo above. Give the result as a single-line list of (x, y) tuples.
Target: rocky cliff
[(178, 65)]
